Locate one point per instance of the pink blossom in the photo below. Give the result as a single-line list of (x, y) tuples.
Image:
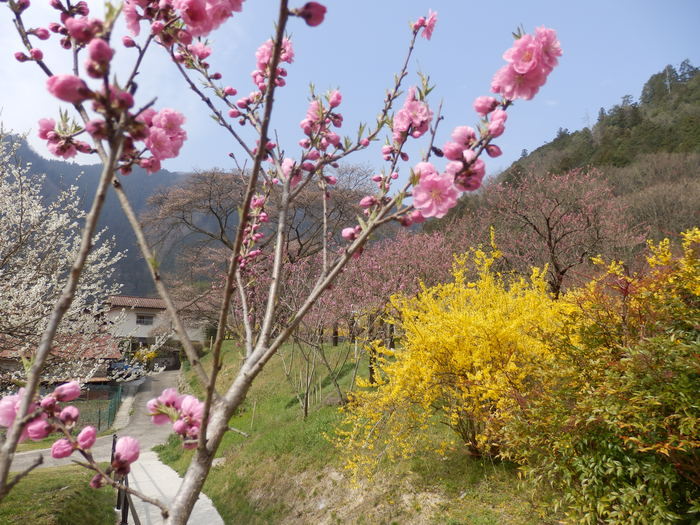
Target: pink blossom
[(464, 135), (146, 116), (170, 397), (36, 54), (126, 450), (499, 115), (68, 88), (39, 428), (199, 50), (67, 391), (429, 25), (496, 128), (99, 51), (313, 13), (418, 23), (46, 125), (86, 438), (417, 217), (194, 14), (435, 195), (132, 16), (96, 128), (154, 410), (551, 49), (64, 148), (469, 155), (191, 408), (424, 169), (453, 150), (61, 449), (9, 407), (169, 121), (151, 165), (69, 415), (41, 33), (165, 135), (525, 54), (368, 201), (48, 403), (348, 234), (83, 29), (413, 117), (512, 84), (335, 99), (485, 105)]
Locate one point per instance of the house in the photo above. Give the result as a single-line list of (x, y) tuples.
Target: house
[(142, 319)]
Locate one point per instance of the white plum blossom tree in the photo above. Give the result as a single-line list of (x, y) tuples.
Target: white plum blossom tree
[(38, 243)]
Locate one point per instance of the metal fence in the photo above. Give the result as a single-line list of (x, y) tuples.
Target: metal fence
[(99, 410)]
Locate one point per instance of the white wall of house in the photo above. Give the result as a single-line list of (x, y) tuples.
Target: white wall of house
[(134, 322)]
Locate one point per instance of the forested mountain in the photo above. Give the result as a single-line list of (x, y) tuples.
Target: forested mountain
[(648, 150), (665, 118), (131, 270)]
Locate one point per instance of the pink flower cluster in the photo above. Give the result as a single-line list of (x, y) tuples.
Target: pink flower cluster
[(48, 416), (251, 234), (435, 194), (317, 126), (165, 136), (427, 24), (39, 425), (530, 61), (185, 411), (60, 144), (412, 119), (263, 57), (200, 16)]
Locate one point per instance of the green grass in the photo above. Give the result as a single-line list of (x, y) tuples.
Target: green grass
[(288, 470), (58, 496)]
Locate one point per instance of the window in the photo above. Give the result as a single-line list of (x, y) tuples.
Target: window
[(144, 319)]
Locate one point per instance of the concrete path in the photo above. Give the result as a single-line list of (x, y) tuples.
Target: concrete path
[(148, 474)]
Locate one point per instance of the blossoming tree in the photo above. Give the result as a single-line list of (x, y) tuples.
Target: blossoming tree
[(125, 129), (38, 242)]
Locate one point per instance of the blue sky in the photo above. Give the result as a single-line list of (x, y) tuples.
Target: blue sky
[(610, 49)]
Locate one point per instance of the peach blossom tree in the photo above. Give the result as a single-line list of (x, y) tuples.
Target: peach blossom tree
[(123, 128)]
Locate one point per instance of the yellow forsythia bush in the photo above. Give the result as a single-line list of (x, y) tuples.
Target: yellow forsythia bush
[(468, 356)]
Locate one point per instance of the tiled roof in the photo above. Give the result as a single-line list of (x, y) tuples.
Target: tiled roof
[(98, 346), (130, 301)]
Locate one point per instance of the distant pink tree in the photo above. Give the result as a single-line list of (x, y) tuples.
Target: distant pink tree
[(558, 220)]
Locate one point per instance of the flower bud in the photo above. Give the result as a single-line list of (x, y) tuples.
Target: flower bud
[(313, 13), (61, 449), (86, 438), (67, 391)]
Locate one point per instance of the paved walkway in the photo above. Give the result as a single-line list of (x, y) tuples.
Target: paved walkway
[(148, 474)]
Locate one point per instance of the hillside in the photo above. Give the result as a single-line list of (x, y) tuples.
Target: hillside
[(665, 118), (647, 150)]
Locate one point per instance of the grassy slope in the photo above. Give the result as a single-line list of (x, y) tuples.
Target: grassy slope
[(288, 472), (58, 496)]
